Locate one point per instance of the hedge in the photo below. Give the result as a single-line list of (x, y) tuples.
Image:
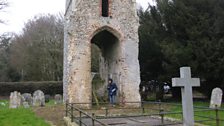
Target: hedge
[(48, 87)]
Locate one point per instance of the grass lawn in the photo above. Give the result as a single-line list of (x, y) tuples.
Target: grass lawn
[(201, 112), (36, 116), (19, 117)]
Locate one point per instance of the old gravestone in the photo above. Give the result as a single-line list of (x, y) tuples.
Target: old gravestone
[(186, 83), (26, 104), (27, 97), (116, 34), (58, 99), (38, 98), (216, 98), (15, 100)]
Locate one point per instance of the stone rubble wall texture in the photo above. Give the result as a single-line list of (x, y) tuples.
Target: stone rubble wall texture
[(83, 21)]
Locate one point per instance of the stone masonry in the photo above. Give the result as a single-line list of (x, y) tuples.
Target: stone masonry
[(116, 36)]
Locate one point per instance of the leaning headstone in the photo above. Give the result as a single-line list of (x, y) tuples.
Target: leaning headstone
[(186, 83), (27, 97), (38, 98), (15, 100), (47, 98), (216, 98), (58, 99)]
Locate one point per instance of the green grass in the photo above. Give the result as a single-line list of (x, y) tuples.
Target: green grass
[(19, 117), (200, 113), (4, 104)]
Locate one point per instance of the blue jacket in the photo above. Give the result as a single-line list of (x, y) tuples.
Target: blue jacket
[(112, 89)]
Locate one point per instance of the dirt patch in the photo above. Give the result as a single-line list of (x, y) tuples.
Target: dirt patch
[(53, 114)]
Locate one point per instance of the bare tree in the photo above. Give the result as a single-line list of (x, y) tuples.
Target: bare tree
[(37, 53), (3, 4)]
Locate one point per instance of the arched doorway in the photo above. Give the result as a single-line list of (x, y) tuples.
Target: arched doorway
[(108, 59)]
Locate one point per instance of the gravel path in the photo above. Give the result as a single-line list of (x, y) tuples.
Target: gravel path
[(131, 121)]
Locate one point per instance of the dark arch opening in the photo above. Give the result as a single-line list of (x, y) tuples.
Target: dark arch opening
[(105, 41), (105, 8), (106, 46)]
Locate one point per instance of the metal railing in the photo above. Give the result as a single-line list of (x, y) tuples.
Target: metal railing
[(213, 115), (158, 109), (72, 112)]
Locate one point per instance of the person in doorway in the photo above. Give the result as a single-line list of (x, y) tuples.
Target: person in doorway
[(112, 91)]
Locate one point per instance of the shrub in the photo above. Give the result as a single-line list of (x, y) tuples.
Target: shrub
[(48, 87)]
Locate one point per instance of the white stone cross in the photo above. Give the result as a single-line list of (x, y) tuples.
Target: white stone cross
[(186, 83)]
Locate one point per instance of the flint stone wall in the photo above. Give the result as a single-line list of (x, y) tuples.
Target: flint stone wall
[(83, 21)]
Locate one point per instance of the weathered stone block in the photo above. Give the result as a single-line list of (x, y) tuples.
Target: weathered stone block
[(15, 100), (27, 97), (38, 98), (216, 98), (58, 99)]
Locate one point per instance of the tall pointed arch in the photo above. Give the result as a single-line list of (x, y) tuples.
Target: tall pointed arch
[(113, 31)]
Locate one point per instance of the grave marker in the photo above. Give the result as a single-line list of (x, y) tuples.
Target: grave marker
[(216, 98), (58, 99), (15, 100), (38, 98), (27, 97), (186, 83)]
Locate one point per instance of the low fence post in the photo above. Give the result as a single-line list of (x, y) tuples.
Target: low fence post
[(106, 112), (217, 115), (161, 112), (66, 109), (162, 115), (72, 116), (93, 119), (143, 108), (80, 118)]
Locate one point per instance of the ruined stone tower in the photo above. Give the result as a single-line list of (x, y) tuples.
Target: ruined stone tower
[(113, 26)]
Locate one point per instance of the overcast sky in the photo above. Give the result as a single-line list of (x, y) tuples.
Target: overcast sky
[(20, 11)]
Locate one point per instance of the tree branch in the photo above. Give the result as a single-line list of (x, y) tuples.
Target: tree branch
[(3, 4)]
